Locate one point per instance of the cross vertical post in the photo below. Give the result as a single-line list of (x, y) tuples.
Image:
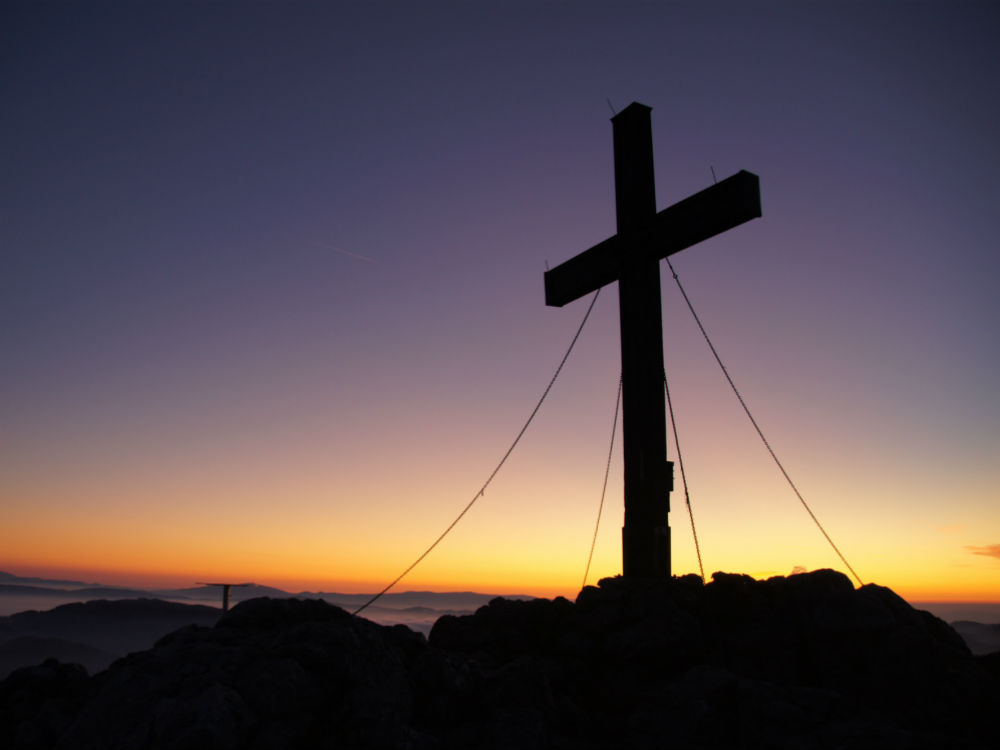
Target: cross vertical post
[(646, 532), (632, 258)]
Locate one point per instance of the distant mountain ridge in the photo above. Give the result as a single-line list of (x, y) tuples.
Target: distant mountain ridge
[(11, 584), (90, 592), (93, 633), (94, 625), (10, 577)]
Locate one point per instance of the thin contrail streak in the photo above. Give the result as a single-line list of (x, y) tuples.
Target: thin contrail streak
[(348, 252)]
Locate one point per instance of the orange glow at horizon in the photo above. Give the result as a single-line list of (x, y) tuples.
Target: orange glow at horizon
[(279, 527), (529, 563), (942, 590)]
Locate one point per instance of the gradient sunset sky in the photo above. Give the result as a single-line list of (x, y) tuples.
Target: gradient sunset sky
[(271, 301)]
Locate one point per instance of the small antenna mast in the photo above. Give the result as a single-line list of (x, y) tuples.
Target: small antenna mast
[(225, 591)]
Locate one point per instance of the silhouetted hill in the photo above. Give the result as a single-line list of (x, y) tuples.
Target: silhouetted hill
[(805, 661), (26, 650), (93, 592), (113, 628), (980, 638)]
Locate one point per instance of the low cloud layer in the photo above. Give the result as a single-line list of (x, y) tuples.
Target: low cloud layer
[(990, 550)]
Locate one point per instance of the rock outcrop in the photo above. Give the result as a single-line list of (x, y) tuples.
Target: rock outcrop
[(800, 662)]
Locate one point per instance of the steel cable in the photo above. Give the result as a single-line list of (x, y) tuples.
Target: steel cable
[(503, 460)]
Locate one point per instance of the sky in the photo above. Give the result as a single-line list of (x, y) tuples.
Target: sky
[(271, 301)]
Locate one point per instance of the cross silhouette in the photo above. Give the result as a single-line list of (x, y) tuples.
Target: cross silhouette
[(632, 258)]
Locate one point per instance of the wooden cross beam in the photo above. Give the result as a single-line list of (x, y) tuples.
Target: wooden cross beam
[(632, 258)]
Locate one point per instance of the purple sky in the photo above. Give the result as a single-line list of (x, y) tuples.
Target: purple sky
[(275, 270)]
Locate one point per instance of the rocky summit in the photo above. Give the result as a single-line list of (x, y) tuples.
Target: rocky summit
[(806, 661)]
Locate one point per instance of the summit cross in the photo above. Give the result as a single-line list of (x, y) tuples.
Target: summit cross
[(632, 258)]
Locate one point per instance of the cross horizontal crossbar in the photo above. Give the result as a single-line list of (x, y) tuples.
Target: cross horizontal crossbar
[(714, 210)]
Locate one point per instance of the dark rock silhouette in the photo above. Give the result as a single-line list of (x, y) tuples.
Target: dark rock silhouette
[(38, 704), (805, 661)]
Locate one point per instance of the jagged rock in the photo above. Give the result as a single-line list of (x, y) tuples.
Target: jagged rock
[(792, 660), (271, 673), (38, 704), (800, 662)]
